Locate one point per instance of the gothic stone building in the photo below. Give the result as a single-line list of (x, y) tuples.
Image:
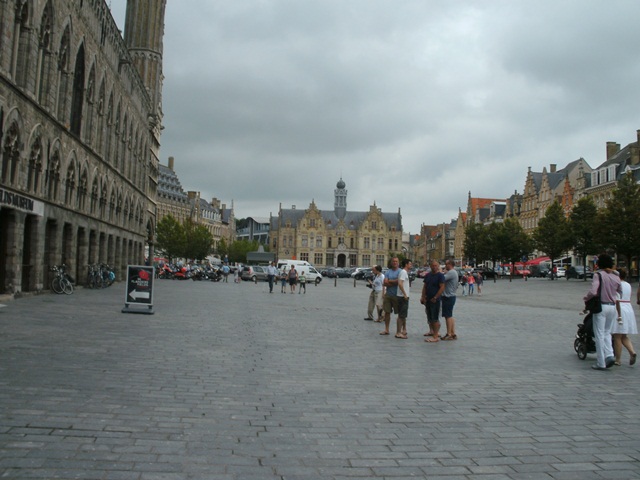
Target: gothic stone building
[(80, 123), (338, 237)]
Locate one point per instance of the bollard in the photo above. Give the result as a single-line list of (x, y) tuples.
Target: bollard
[(354, 282), (335, 281)]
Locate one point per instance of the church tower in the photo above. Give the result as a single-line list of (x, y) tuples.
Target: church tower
[(143, 32), (340, 204)]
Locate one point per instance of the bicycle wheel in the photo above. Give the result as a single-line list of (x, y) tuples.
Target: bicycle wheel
[(56, 286), (89, 283), (67, 286)]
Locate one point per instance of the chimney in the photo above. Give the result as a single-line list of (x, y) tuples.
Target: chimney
[(612, 149), (171, 163), (193, 195), (552, 168), (224, 207), (215, 203)]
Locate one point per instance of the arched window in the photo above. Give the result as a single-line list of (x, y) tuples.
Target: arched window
[(112, 205), (77, 94), (20, 54), (109, 134), (103, 202), (44, 55)]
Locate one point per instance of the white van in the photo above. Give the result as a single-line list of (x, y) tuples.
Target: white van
[(313, 276)]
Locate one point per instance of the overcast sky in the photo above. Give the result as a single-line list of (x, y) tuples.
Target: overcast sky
[(412, 103)]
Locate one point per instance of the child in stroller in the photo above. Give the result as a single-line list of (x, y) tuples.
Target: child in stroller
[(585, 342)]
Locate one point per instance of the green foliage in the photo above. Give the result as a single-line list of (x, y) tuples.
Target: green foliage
[(553, 234), (238, 250), (582, 222), (474, 243), (170, 237), (512, 241), (223, 248), (199, 240), (618, 222)]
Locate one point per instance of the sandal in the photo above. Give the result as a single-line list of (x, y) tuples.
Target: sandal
[(632, 360), (432, 340), (449, 337)]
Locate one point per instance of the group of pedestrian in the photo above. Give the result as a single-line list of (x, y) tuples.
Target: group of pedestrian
[(469, 280), (291, 278), (616, 320), (391, 294)]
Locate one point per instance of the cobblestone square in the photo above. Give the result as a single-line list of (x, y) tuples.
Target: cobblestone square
[(227, 381)]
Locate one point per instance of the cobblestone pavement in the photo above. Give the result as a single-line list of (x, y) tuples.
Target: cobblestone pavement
[(227, 381)]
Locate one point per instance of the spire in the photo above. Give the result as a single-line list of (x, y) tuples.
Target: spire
[(143, 32), (340, 204)]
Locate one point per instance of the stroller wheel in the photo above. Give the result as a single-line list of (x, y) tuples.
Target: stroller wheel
[(582, 351), (576, 344)]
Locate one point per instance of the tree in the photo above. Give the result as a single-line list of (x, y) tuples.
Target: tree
[(223, 248), (474, 242), (553, 234), (198, 240), (583, 235), (238, 250), (170, 237), (513, 242), (618, 222)]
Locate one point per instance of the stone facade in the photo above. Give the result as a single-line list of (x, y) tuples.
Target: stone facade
[(338, 237), (79, 131), (173, 200)]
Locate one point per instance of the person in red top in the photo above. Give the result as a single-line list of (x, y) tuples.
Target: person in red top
[(603, 321)]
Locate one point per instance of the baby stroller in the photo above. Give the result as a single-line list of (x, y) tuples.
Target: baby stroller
[(584, 342)]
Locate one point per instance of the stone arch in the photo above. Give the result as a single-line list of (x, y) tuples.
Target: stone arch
[(101, 110)]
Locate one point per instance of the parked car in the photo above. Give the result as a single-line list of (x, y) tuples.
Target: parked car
[(540, 271), (579, 271), (361, 273), (254, 273), (342, 273), (486, 272)]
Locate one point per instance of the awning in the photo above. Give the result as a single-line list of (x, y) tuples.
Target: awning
[(538, 261)]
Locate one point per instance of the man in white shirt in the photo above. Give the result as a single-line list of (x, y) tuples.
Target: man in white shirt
[(403, 299), (272, 271)]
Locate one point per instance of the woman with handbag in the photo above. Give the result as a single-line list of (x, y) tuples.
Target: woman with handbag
[(605, 285)]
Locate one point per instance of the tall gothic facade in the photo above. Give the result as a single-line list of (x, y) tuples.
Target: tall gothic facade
[(338, 237), (80, 122)]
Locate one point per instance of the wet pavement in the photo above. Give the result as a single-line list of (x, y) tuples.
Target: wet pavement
[(227, 381)]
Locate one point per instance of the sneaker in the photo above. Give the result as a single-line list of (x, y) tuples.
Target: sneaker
[(595, 366), (610, 362)]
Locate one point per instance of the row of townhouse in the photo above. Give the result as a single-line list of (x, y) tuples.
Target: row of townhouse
[(566, 185), (173, 200)]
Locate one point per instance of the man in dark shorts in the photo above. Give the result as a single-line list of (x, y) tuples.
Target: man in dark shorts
[(431, 293), (449, 299)]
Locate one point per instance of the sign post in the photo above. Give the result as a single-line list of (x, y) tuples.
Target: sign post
[(139, 289)]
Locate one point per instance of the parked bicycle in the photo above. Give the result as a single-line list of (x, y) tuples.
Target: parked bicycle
[(62, 282), (100, 276)]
